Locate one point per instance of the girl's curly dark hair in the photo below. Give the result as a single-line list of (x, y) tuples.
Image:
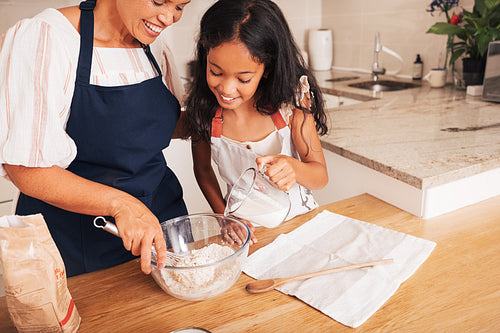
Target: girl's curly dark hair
[(262, 27)]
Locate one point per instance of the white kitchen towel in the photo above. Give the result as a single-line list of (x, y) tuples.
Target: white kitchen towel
[(330, 240)]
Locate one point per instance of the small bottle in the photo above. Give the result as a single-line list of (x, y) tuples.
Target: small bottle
[(417, 68)]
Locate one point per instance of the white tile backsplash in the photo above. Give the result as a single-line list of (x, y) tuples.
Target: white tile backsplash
[(402, 26), (301, 15)]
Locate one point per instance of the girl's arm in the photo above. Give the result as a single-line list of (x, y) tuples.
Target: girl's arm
[(180, 127), (207, 180), (59, 187), (310, 171), (205, 176)]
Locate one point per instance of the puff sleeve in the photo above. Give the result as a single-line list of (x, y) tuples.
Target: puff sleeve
[(166, 62), (36, 88), (302, 95)]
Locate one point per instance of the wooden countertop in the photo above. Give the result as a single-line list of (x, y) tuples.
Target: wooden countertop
[(456, 289)]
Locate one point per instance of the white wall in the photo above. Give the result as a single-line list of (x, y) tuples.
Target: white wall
[(402, 25), (301, 15), (12, 11)]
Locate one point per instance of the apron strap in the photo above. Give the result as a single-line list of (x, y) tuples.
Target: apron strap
[(86, 41), (278, 120), (217, 121), (151, 58)]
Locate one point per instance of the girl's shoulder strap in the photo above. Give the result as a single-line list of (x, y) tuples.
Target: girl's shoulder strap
[(278, 120), (217, 121)]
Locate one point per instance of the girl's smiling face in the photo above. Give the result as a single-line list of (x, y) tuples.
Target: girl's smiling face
[(233, 75), (146, 19)]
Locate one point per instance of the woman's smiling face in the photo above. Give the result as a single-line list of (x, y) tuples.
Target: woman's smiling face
[(146, 19), (233, 75)]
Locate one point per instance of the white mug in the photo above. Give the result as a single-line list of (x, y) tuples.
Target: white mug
[(320, 49), (436, 77)]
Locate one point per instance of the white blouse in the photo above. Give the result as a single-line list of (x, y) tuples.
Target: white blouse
[(38, 61)]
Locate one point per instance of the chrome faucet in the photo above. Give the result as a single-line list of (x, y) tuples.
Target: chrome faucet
[(376, 70)]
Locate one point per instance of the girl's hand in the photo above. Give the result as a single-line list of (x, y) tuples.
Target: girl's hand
[(280, 169), (253, 238), (140, 230), (234, 233)]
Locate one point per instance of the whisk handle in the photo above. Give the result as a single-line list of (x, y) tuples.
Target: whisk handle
[(101, 222)]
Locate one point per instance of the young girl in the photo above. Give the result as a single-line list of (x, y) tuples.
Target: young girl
[(253, 102)]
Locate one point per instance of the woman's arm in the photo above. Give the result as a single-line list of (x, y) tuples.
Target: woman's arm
[(310, 171), (138, 227)]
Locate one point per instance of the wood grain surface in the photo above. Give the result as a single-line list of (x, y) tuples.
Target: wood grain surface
[(456, 290)]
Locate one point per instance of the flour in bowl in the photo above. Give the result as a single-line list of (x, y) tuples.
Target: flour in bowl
[(183, 282)]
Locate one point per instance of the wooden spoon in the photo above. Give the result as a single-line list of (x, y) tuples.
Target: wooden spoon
[(262, 286)]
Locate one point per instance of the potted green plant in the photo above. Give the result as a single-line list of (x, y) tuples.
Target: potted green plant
[(469, 35)]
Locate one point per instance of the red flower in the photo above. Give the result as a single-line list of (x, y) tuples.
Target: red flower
[(455, 19)]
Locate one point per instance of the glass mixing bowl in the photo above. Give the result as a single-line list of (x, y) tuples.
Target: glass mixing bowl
[(210, 249)]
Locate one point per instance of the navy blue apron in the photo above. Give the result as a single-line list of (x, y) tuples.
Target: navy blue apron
[(119, 133)]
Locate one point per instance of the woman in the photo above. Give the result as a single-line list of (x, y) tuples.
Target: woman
[(86, 115)]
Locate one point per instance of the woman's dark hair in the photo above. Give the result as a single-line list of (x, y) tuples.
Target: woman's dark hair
[(262, 27)]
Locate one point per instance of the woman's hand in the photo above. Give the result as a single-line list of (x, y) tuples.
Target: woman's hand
[(59, 187), (280, 169), (140, 230)]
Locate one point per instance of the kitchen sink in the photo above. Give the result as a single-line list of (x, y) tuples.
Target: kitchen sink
[(343, 78), (384, 85)]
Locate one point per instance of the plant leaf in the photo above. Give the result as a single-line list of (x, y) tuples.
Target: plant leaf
[(455, 55), (442, 28)]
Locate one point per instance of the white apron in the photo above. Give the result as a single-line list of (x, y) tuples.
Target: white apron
[(233, 157)]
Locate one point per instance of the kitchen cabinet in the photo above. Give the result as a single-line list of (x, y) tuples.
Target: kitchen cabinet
[(6, 208), (179, 159), (7, 194), (7, 190), (348, 179)]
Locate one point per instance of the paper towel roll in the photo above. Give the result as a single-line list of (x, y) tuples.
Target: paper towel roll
[(320, 49)]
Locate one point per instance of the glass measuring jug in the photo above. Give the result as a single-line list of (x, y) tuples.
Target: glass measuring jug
[(258, 200)]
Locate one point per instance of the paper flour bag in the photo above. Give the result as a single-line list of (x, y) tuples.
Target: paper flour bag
[(34, 276)]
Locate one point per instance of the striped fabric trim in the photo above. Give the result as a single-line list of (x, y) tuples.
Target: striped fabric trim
[(134, 59), (98, 61), (40, 102), (2, 40), (124, 78), (137, 71), (168, 74), (7, 74), (7, 96)]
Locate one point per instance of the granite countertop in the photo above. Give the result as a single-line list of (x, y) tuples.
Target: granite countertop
[(421, 136)]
